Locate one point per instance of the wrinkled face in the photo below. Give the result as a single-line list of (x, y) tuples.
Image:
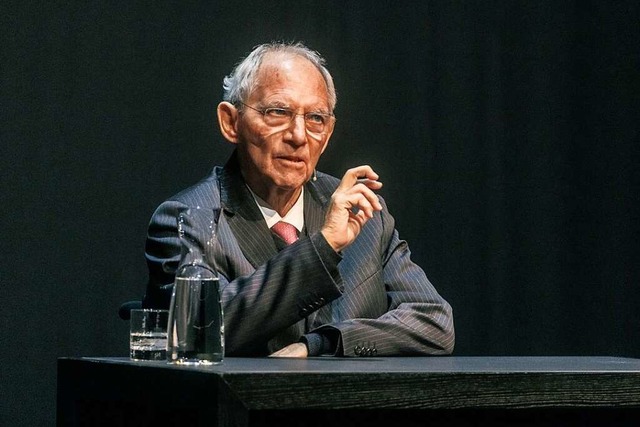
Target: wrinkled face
[(282, 157)]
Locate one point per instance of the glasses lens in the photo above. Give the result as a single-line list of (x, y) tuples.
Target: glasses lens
[(314, 122), (278, 116)]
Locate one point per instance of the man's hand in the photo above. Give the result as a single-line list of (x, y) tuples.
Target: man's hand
[(352, 205), (297, 349)]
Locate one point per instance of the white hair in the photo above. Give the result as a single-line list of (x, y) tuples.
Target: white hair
[(240, 83)]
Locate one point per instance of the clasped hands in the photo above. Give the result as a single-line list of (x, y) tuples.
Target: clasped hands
[(352, 205)]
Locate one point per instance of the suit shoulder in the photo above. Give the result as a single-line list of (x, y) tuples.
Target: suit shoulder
[(204, 193), (326, 182)]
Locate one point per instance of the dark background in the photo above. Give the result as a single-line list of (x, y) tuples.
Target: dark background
[(505, 132)]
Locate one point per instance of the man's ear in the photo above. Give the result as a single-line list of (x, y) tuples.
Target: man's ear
[(228, 121)]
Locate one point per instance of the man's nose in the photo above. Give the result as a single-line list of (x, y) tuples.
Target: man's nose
[(298, 129)]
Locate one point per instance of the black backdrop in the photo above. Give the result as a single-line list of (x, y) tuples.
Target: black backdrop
[(505, 133)]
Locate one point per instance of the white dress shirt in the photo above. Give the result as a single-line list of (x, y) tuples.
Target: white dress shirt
[(295, 216)]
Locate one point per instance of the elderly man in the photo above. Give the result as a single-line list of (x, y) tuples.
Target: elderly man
[(308, 264)]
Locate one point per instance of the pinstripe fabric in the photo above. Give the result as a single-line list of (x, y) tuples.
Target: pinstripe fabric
[(373, 294)]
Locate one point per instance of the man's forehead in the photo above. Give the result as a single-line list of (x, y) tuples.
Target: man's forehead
[(280, 69), (284, 61)]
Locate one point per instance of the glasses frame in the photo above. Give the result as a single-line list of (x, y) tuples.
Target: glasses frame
[(264, 111)]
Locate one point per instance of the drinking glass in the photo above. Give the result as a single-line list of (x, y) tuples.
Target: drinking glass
[(148, 334)]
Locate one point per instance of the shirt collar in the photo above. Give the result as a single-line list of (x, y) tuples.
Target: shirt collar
[(295, 216)]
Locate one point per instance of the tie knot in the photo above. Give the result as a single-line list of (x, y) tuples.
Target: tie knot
[(286, 231)]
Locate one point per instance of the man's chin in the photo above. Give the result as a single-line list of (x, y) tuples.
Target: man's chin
[(291, 183)]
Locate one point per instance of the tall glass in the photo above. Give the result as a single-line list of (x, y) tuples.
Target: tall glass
[(196, 322)]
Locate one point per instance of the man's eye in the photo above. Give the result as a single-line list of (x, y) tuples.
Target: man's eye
[(316, 118), (277, 112)]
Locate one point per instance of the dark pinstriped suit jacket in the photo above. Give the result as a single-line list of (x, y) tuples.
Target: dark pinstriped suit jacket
[(373, 294)]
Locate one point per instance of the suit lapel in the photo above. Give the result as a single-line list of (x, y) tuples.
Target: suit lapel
[(315, 205), (314, 208), (253, 236), (246, 220), (244, 216)]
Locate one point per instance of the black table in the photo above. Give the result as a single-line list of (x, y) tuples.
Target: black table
[(336, 391)]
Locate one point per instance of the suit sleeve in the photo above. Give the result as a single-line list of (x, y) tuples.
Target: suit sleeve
[(418, 321), (259, 304)]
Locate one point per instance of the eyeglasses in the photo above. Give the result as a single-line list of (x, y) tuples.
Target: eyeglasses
[(315, 122)]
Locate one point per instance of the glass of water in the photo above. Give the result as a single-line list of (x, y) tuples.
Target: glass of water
[(148, 336)]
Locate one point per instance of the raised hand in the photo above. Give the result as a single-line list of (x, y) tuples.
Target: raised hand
[(352, 205)]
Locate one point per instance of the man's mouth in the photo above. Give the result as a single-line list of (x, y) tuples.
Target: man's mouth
[(294, 159)]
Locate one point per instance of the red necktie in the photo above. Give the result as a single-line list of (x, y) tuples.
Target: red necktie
[(286, 231)]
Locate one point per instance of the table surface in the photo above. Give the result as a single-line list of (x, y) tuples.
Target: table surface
[(422, 365), (471, 387)]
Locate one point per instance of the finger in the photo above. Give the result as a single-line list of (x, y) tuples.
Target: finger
[(292, 350), (370, 197), (360, 218), (351, 177), (362, 206), (283, 352), (370, 183)]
